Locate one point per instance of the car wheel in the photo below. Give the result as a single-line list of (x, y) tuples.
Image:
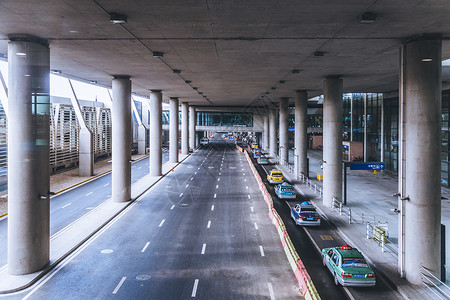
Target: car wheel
[(336, 281)]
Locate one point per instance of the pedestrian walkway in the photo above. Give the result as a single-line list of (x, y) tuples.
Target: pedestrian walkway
[(369, 198)]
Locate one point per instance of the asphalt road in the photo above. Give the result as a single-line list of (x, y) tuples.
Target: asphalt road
[(309, 240), (201, 232), (73, 204)]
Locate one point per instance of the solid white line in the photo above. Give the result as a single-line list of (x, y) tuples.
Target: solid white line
[(209, 224), (251, 207), (261, 250), (181, 195), (173, 206), (272, 295), (162, 222), (119, 285), (89, 193), (66, 205), (215, 195), (203, 249), (256, 226), (194, 289), (106, 184), (146, 245), (212, 207)]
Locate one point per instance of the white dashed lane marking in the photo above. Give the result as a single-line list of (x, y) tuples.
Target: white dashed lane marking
[(261, 250), (119, 285), (146, 245)]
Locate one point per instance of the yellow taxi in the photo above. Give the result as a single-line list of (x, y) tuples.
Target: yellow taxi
[(255, 146), (275, 176)]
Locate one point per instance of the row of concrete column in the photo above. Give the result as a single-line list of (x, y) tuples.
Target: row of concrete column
[(28, 149), (419, 154)]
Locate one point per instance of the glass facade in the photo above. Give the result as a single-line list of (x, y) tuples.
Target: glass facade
[(224, 119)]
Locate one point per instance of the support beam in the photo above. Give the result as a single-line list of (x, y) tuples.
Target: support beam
[(192, 126), (142, 129), (173, 130), (121, 139), (155, 133), (86, 141), (4, 94), (28, 156), (184, 128), (301, 134), (332, 140), (284, 130), (423, 92), (265, 139)]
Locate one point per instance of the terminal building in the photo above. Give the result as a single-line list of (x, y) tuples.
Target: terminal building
[(320, 87)]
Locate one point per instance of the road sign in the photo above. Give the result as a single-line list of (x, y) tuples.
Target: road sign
[(367, 166)]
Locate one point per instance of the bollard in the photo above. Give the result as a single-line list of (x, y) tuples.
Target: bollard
[(350, 216), (367, 230), (382, 242), (340, 209)]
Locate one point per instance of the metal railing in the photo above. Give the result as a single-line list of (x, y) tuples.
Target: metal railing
[(436, 286), (336, 204), (379, 235), (311, 184)]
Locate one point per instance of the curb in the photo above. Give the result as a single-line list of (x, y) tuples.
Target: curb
[(55, 263), (306, 286)]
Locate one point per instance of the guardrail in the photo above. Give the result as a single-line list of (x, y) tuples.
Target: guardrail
[(380, 235), (440, 289), (311, 184), (336, 204), (306, 285)]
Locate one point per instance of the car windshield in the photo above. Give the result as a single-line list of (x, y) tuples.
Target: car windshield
[(277, 175), (354, 263), (310, 210)]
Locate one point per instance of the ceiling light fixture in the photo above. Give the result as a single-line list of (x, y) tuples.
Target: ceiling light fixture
[(188, 81), (201, 93), (157, 54), (175, 71), (282, 81), (368, 17), (116, 18), (195, 88), (295, 71), (273, 88), (319, 53), (427, 59), (21, 54)]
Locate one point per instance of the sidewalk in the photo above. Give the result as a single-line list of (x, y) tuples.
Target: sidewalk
[(369, 198)]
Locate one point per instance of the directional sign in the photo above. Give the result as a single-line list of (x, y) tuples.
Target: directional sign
[(367, 166)]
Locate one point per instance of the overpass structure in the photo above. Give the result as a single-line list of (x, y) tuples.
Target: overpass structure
[(204, 56)]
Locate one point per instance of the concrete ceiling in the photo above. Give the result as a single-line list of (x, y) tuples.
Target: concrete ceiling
[(234, 51)]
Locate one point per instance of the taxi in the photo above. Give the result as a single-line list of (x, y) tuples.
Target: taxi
[(257, 154), (285, 191), (275, 176), (262, 160), (255, 145), (348, 266), (305, 214)]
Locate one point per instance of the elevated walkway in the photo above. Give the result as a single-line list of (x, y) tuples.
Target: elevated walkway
[(369, 198)]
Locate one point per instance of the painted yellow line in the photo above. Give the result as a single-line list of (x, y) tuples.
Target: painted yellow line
[(86, 180)]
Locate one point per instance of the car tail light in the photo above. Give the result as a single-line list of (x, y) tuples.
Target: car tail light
[(370, 275), (343, 274), (282, 193), (302, 217)]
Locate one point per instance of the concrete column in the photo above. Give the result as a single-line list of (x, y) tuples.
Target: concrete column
[(155, 133), (142, 139), (382, 139), (284, 130), (332, 139), (28, 155), (301, 134), (365, 129), (273, 151), (265, 139), (173, 131), (121, 139), (192, 126), (184, 128), (423, 151)]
